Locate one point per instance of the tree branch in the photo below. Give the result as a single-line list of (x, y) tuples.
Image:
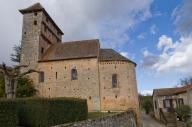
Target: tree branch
[(4, 68), (28, 72), (20, 66)]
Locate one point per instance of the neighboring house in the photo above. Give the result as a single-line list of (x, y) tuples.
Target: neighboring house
[(168, 98), (78, 69)]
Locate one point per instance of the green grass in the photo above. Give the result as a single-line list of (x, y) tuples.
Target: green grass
[(92, 115)]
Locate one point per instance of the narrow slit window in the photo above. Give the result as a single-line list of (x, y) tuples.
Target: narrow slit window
[(42, 50), (56, 75), (74, 75), (114, 80), (41, 77)]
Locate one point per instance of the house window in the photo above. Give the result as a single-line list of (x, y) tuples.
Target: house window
[(180, 102), (35, 13), (114, 80), (41, 77), (155, 104), (35, 22), (74, 75)]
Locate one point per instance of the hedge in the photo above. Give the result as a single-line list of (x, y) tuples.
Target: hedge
[(42, 112), (8, 114)]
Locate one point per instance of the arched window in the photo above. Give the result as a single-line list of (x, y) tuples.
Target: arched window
[(114, 80), (74, 75)]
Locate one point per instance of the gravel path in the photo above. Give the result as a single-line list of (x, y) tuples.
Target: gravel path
[(150, 122)]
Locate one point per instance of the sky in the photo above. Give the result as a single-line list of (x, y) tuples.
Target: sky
[(156, 34)]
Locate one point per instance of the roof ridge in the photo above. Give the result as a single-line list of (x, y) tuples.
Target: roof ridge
[(81, 40)]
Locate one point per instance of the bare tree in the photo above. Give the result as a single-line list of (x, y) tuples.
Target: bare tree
[(11, 76), (186, 81)]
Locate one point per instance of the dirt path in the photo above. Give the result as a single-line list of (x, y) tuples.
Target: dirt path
[(150, 122)]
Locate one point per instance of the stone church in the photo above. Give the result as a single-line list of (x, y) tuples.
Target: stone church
[(78, 69)]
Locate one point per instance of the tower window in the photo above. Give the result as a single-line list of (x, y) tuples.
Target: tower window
[(42, 50), (114, 80), (35, 22), (41, 76), (74, 75)]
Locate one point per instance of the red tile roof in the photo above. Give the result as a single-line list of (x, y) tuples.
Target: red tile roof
[(171, 91)]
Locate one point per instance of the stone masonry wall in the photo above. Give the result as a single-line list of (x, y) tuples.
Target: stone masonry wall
[(86, 86), (125, 119), (125, 95)]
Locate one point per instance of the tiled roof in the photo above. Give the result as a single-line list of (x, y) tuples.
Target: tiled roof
[(81, 49), (171, 91), (72, 50), (111, 55)]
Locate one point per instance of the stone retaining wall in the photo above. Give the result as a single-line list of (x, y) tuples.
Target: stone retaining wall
[(124, 119)]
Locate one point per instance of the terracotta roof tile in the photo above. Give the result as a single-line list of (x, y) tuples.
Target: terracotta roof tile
[(171, 91), (72, 50)]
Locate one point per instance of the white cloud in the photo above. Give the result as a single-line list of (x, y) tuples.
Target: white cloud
[(146, 53), (153, 29), (178, 58), (182, 18), (141, 36), (108, 20), (125, 54), (165, 42), (146, 92), (128, 55)]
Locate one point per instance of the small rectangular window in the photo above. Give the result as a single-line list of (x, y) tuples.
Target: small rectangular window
[(42, 50), (114, 80), (35, 22), (41, 77)]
